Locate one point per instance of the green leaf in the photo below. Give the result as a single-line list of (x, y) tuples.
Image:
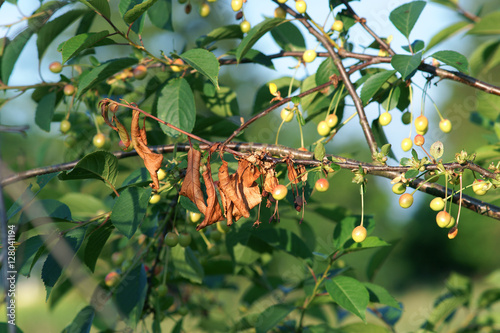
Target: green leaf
[(124, 7), (342, 234), (133, 14), (26, 254), (131, 292), (284, 240), (224, 103), (52, 29), (288, 37), (188, 204), (488, 297), (380, 295), (363, 328), (186, 264), (453, 59), (488, 105), (272, 316), (319, 151), (100, 6), (45, 210), (95, 244), (369, 242), (65, 249), (45, 111), (232, 31), (377, 260), (73, 46), (102, 72), (5, 327), (374, 84), (129, 209), (204, 62), (350, 294), (325, 70), (412, 173), (488, 25), (404, 17), (176, 106), (255, 34), (83, 206), (447, 33), (97, 165), (417, 45), (12, 52), (443, 309), (43, 14), (485, 56), (160, 14), (406, 65), (308, 83), (82, 322), (263, 96)]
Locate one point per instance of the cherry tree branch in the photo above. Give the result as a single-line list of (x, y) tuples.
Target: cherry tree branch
[(306, 158), (362, 21)]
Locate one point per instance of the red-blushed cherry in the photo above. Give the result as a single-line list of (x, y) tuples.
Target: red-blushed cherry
[(322, 185), (279, 192), (140, 72), (479, 187), (419, 140), (112, 279), (359, 234), (443, 219), (55, 67), (69, 90), (453, 233), (406, 200), (437, 204), (332, 120)]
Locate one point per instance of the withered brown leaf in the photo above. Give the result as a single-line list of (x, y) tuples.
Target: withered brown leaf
[(248, 172), (152, 161), (213, 212), (292, 173), (228, 185), (191, 187), (271, 181)]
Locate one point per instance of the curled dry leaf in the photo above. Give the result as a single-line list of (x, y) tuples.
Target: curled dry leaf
[(293, 176), (271, 181), (191, 187), (213, 211), (119, 127), (239, 192), (152, 161)]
